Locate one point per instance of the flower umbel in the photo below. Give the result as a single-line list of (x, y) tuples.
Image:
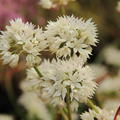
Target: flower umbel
[(53, 3), (6, 117), (118, 6), (35, 106), (21, 39), (102, 115), (69, 36), (112, 55), (58, 76)]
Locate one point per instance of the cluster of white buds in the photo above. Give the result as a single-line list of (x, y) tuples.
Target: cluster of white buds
[(67, 37), (65, 78), (6, 117), (48, 4), (59, 76), (70, 36), (21, 39), (118, 6), (102, 114), (35, 106), (112, 55)]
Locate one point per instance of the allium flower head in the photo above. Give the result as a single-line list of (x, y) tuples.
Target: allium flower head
[(58, 76), (99, 70), (118, 6), (112, 55), (102, 115), (107, 86), (21, 39), (6, 117), (53, 3), (35, 106), (69, 36), (111, 104)]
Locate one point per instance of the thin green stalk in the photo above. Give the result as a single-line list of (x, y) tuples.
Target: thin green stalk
[(63, 10), (38, 72), (91, 105), (63, 114), (68, 101)]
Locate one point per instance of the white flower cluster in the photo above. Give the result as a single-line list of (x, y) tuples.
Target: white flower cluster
[(6, 117), (118, 6), (112, 55), (60, 75), (21, 39), (35, 106), (99, 70), (107, 85), (102, 115), (69, 36), (111, 104), (47, 4)]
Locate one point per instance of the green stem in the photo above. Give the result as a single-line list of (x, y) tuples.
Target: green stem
[(63, 10), (68, 104), (38, 72), (91, 105), (63, 114)]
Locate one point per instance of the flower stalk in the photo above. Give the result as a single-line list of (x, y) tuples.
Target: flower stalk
[(63, 114), (38, 72), (63, 10), (68, 101), (116, 115), (93, 106)]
